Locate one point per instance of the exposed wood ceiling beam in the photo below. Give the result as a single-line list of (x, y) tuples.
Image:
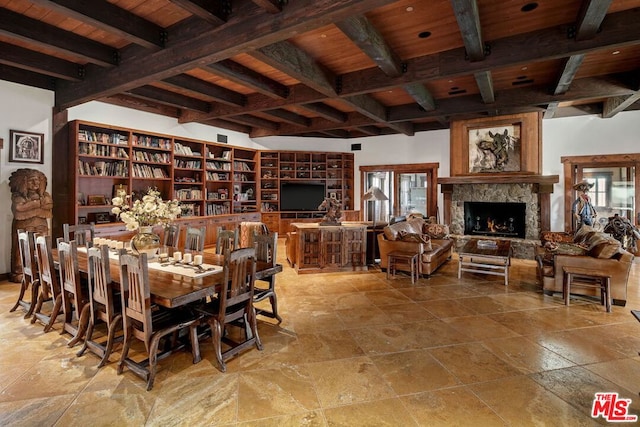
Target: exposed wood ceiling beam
[(294, 62), (569, 71), (242, 75), (590, 18), (468, 18), (25, 77), (217, 93), (616, 104), (243, 32), (169, 98), (318, 124), (371, 108), (290, 117), (337, 133), (229, 125), (620, 29), (141, 104), (16, 26), (271, 6), (108, 17), (26, 59), (485, 84), (370, 130), (360, 30), (370, 41), (552, 107), (255, 122), (324, 110), (214, 12)]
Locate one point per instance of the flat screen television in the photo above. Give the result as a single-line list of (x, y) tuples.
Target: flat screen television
[(301, 196)]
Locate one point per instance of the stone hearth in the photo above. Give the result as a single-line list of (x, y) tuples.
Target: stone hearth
[(533, 190)]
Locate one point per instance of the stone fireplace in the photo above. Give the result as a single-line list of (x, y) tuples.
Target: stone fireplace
[(530, 192)]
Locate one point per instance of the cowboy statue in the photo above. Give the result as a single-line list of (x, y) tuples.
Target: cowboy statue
[(582, 209)]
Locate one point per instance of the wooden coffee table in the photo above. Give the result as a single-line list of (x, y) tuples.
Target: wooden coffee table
[(478, 256)]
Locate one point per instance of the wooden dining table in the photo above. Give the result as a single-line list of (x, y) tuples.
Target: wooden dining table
[(173, 290)]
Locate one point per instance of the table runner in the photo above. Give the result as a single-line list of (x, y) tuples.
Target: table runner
[(172, 267)]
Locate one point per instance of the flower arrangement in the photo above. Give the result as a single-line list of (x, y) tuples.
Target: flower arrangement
[(149, 211)]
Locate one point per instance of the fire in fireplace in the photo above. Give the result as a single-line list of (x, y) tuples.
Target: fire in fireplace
[(495, 219)]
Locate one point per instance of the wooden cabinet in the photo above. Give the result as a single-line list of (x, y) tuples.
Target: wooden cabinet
[(329, 248)]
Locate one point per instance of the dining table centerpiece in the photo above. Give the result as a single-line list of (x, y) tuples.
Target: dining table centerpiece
[(142, 215)]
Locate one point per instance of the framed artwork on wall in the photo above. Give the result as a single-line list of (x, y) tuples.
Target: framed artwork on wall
[(26, 147), (495, 149)]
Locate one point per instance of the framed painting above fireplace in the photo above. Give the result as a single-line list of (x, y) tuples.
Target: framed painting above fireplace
[(501, 145)]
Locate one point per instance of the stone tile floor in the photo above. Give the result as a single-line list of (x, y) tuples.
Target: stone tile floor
[(353, 350)]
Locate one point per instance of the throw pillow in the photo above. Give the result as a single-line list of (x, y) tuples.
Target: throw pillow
[(605, 250), (435, 231), (583, 233), (415, 237), (562, 248)]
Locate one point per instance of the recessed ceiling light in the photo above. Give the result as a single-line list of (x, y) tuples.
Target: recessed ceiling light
[(409, 9), (615, 52), (529, 7), (524, 68), (323, 36), (450, 81), (424, 34)]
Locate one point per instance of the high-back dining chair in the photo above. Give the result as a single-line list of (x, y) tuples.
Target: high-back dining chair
[(233, 304), (194, 239), (138, 322), (103, 305), (26, 246), (248, 229), (226, 240), (83, 234), (171, 235), (49, 286), (266, 250), (75, 304)]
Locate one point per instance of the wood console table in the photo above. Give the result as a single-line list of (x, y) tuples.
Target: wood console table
[(330, 248)]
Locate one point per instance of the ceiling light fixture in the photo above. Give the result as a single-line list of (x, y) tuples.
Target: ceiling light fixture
[(409, 9), (615, 52), (529, 7)]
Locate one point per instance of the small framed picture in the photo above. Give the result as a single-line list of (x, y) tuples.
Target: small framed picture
[(26, 147), (81, 200), (333, 195), (102, 217), (82, 220), (120, 190), (96, 200)]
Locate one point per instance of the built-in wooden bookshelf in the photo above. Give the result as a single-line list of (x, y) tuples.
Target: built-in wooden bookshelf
[(212, 180)]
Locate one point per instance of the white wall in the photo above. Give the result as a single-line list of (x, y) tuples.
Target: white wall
[(576, 136), (29, 109)]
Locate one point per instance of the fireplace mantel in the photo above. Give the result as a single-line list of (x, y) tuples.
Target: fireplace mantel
[(520, 178), (540, 184)]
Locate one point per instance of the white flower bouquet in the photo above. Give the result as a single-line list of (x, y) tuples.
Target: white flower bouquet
[(151, 210)]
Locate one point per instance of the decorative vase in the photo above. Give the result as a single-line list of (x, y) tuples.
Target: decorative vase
[(146, 242)]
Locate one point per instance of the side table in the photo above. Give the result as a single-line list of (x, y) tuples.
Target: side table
[(409, 258), (599, 280)]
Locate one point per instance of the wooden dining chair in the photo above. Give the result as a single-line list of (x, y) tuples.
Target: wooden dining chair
[(226, 240), (30, 281), (103, 305), (266, 250), (83, 234), (49, 285), (194, 239), (171, 235), (138, 322), (75, 304), (234, 305), (248, 229)]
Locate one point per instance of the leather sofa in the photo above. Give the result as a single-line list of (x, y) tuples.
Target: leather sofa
[(589, 249), (416, 235)]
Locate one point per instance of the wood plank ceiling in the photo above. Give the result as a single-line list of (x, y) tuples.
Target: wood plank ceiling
[(328, 68)]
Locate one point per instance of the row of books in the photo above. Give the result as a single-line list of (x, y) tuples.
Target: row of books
[(146, 156), (215, 176), (184, 150), (188, 194), (241, 166), (218, 208), (105, 138), (146, 171), (187, 164), (92, 149), (190, 209), (225, 155), (218, 165), (243, 177), (151, 141), (115, 168)]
